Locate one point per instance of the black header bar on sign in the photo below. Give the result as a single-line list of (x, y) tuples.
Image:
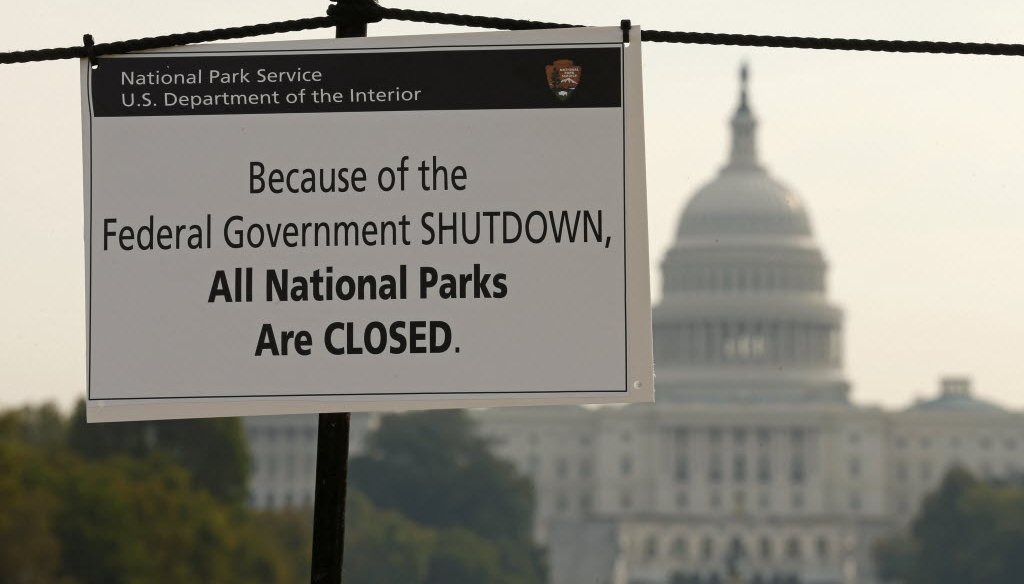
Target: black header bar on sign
[(468, 79)]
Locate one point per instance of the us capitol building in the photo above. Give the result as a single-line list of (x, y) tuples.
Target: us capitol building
[(753, 466)]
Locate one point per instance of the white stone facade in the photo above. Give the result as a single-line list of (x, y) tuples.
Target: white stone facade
[(795, 490)]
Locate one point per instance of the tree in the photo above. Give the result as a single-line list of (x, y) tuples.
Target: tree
[(383, 547), (462, 556), (894, 558), (29, 551), (966, 531), (290, 532), (434, 468), (67, 519), (938, 531), (213, 450)]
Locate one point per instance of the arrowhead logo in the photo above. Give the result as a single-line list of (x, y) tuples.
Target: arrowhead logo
[(563, 78)]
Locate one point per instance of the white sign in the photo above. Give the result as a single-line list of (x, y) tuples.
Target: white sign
[(366, 224)]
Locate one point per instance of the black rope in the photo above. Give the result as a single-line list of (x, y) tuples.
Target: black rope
[(171, 40), (365, 11), (751, 40), (467, 20)]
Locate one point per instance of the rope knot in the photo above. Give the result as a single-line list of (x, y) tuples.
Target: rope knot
[(355, 11), (90, 50)]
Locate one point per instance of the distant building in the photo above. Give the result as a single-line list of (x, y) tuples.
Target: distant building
[(753, 465)]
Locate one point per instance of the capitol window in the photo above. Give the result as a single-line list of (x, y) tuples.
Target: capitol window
[(766, 548), (797, 471), (797, 436), (744, 347), (764, 469), (716, 470), (626, 465), (586, 468), (562, 468), (855, 467), (682, 469), (679, 547), (739, 468), (715, 435), (651, 547), (822, 547), (793, 548), (707, 548), (739, 437), (682, 500)]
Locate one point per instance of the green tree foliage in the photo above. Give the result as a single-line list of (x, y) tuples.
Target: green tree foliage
[(67, 519), (136, 503), (290, 532), (433, 468), (967, 531), (28, 546), (894, 558), (462, 556), (383, 547), (212, 450)]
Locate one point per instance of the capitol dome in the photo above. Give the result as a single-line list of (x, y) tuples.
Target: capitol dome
[(744, 311), (744, 200), (744, 203)]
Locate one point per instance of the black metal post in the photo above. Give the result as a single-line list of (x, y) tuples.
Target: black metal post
[(331, 462), (329, 500)]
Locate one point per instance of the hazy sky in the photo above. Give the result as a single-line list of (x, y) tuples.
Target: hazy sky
[(911, 167)]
